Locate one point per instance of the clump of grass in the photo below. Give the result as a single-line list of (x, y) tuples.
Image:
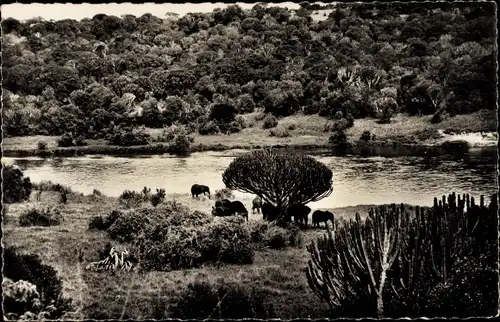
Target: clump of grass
[(266, 234), (204, 299), (41, 216), (224, 193)]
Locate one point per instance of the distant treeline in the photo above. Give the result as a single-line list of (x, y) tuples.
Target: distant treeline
[(91, 75)]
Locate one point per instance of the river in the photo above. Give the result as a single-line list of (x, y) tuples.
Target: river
[(357, 179)]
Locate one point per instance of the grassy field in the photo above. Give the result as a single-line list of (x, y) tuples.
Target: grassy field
[(304, 131), (149, 295)]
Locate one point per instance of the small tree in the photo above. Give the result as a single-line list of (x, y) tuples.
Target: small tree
[(281, 177), (16, 187)]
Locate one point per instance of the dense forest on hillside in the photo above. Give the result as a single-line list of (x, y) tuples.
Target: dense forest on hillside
[(203, 69)]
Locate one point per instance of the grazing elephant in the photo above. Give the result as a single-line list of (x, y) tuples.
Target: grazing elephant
[(321, 216), (198, 189), (300, 213), (269, 212), (224, 208), (256, 204)]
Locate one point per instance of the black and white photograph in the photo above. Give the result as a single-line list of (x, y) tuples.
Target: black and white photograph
[(239, 160)]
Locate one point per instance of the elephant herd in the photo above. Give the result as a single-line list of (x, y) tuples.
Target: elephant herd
[(299, 212)]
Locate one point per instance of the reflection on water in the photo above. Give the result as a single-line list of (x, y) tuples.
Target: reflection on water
[(357, 180)]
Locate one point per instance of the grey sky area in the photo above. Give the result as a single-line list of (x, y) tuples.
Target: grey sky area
[(79, 11)]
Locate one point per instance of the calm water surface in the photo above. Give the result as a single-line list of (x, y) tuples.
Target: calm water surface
[(357, 180)]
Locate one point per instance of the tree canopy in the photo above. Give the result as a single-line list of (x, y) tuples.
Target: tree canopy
[(280, 177), (436, 57)]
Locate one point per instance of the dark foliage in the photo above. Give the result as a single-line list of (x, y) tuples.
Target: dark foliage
[(41, 217), (74, 76), (27, 267), (16, 187)]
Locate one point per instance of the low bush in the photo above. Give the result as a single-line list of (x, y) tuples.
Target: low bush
[(224, 193), (203, 299), (436, 118), (279, 132), (267, 234), (126, 136), (103, 223), (366, 136), (208, 128), (127, 226), (66, 140), (338, 140), (29, 268), (158, 197), (226, 240), (270, 121), (130, 199), (43, 216), (42, 145), (291, 126), (181, 144)]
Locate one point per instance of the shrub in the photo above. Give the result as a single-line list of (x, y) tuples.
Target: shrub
[(291, 126), (66, 140), (130, 199), (204, 299), (436, 118), (366, 136), (45, 216), (20, 297), (270, 121), (338, 140), (42, 145), (224, 240), (224, 193), (29, 268), (126, 136), (180, 144), (209, 128), (279, 132), (16, 187), (97, 223), (169, 133), (127, 226), (158, 197)]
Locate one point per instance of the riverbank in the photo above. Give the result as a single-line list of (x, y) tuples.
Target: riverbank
[(279, 271), (406, 134)]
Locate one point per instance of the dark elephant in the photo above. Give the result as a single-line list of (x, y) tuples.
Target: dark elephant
[(256, 204), (198, 189), (300, 213), (269, 212), (224, 208), (321, 216)]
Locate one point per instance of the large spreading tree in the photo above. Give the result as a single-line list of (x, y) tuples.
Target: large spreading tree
[(282, 177)]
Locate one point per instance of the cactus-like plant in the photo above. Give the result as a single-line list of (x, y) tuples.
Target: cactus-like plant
[(401, 257)]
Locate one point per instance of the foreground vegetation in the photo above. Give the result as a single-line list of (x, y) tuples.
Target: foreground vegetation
[(106, 77), (177, 261)]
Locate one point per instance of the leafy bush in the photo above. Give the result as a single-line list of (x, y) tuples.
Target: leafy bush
[(126, 136), (158, 197), (103, 223), (29, 268), (209, 128), (42, 145), (270, 121), (44, 216), (436, 118), (227, 240), (279, 132), (266, 234), (181, 143), (204, 299), (127, 226), (224, 193), (338, 140), (66, 140), (130, 199), (16, 187), (366, 136), (20, 297)]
